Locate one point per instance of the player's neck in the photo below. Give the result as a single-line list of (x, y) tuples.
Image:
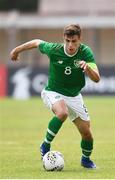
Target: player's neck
[(70, 55)]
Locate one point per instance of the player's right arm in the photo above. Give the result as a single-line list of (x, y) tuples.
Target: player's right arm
[(26, 46)]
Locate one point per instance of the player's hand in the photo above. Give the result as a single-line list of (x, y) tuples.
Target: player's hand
[(83, 65), (14, 55)]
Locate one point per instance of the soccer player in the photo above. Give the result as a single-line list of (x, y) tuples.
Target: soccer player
[(68, 64)]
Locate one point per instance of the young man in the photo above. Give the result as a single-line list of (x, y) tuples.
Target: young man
[(69, 62)]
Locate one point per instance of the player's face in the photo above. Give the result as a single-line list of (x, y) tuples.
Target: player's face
[(72, 43)]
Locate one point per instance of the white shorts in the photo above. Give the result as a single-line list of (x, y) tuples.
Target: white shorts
[(76, 107)]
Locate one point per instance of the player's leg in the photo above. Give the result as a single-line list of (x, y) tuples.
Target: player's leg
[(59, 108), (87, 139), (79, 115), (86, 142)]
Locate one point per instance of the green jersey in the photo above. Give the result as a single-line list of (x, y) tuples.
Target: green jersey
[(65, 75)]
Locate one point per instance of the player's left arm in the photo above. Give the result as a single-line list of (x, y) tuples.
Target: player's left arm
[(91, 70)]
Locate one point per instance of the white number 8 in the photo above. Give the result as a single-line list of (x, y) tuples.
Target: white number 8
[(67, 70)]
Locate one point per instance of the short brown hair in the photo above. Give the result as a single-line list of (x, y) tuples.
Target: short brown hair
[(72, 29)]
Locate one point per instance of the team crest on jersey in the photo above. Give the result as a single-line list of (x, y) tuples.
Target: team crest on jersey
[(76, 63)]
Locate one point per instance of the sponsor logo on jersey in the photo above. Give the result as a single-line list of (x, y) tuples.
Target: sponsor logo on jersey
[(60, 62)]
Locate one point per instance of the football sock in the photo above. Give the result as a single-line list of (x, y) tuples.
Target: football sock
[(53, 128), (87, 147)]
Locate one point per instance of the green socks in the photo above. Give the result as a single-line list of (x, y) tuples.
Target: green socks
[(87, 147), (53, 128)]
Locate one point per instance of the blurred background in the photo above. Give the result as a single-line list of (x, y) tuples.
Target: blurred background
[(24, 20)]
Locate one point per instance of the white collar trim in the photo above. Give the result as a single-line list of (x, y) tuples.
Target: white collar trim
[(70, 54)]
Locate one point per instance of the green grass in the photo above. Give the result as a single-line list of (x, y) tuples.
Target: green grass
[(22, 129)]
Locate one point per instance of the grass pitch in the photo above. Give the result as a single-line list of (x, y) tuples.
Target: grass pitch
[(22, 128)]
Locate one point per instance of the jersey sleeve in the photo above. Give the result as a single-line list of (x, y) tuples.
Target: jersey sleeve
[(89, 58), (88, 55), (46, 47)]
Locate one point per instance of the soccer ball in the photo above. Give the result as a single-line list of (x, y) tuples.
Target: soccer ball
[(53, 161)]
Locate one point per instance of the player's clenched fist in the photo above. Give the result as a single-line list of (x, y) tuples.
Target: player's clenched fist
[(83, 65)]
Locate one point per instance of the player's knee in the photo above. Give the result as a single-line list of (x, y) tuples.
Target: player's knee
[(87, 135), (62, 115)]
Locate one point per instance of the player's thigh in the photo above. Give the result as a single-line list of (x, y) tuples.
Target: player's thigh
[(56, 103), (53, 101), (60, 107), (77, 108)]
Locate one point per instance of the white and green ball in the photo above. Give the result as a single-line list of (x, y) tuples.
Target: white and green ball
[(53, 161)]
